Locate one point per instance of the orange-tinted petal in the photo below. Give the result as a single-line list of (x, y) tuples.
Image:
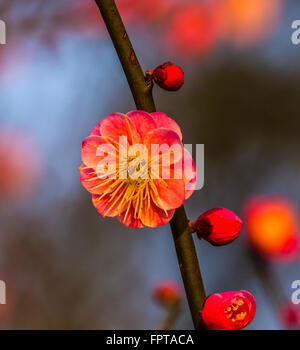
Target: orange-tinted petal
[(130, 220), (154, 216), (163, 121), (169, 194), (103, 205)]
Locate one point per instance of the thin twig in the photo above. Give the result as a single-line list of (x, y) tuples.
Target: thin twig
[(172, 314), (141, 90), (271, 284)]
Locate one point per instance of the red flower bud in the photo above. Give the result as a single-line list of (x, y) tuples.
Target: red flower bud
[(167, 293), (169, 76), (228, 311), (219, 226)]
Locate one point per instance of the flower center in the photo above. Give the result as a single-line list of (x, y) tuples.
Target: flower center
[(132, 186), (237, 311)]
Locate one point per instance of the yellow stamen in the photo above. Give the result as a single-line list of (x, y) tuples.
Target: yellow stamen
[(233, 311)]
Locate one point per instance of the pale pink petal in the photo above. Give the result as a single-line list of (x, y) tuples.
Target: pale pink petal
[(190, 174), (142, 121), (116, 125), (163, 121), (90, 149), (162, 136)]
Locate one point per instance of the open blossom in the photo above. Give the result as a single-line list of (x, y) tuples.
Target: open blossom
[(136, 168), (219, 226), (167, 292), (228, 310), (272, 228)]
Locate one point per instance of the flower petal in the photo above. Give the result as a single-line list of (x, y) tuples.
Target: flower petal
[(252, 303), (130, 220), (91, 182), (169, 193), (104, 206), (154, 216), (164, 147), (96, 129), (116, 125), (142, 121), (163, 121), (190, 174), (91, 147)]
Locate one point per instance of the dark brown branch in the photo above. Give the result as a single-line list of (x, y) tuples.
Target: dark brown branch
[(142, 93), (188, 264)]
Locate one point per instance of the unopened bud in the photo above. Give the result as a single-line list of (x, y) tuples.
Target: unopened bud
[(219, 226), (168, 76)]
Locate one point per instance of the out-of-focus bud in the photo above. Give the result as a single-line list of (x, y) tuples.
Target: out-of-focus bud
[(218, 226), (168, 76), (20, 165), (249, 22), (289, 316), (271, 228), (167, 293), (228, 310), (193, 29)]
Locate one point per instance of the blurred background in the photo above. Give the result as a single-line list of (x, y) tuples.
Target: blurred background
[(64, 266)]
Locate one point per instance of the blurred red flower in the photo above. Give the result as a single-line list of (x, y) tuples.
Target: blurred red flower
[(86, 19), (143, 11), (250, 21), (167, 292), (271, 228), (289, 316), (228, 310), (193, 29), (20, 165)]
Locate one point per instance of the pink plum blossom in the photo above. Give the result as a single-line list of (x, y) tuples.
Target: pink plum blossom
[(127, 180)]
